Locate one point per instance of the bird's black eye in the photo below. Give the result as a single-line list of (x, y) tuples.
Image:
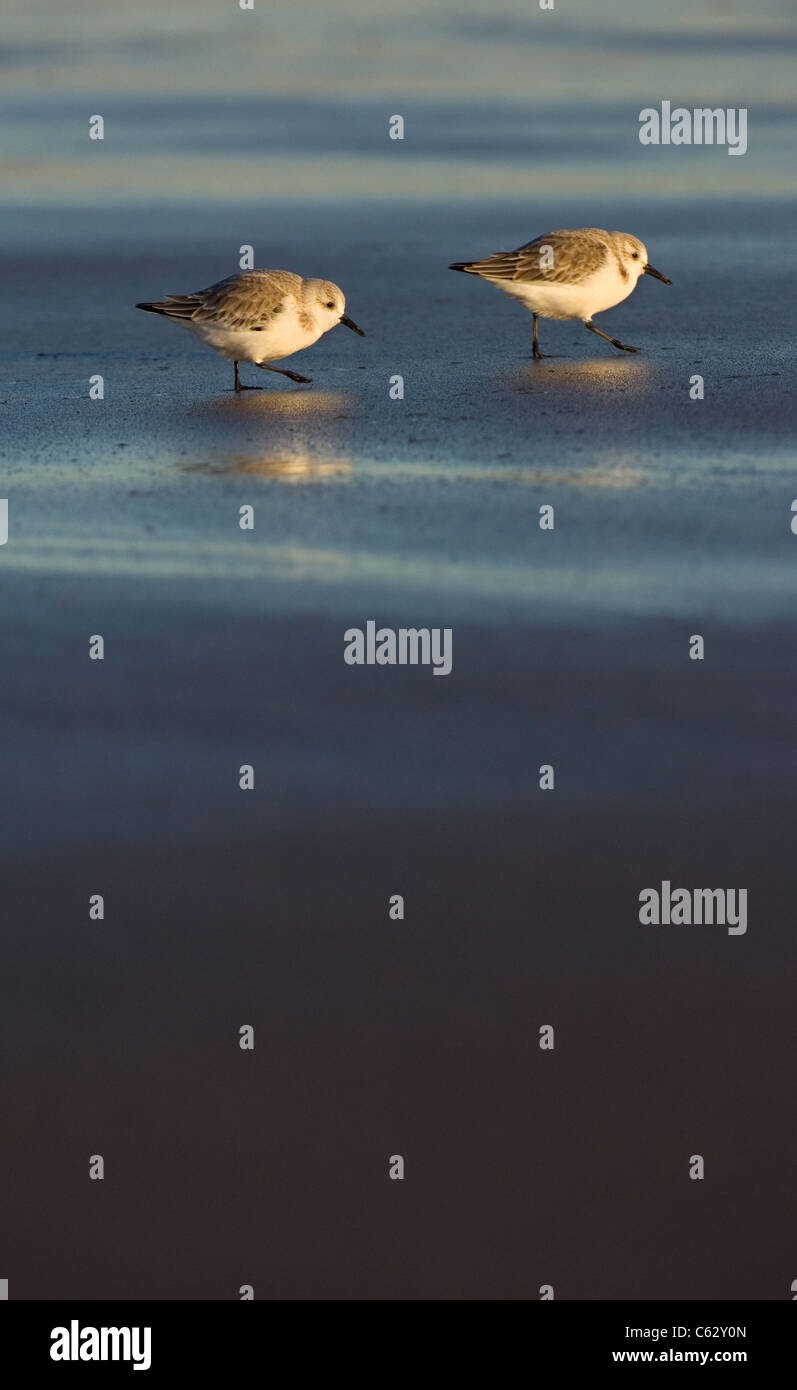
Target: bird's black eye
[(330, 304), (634, 255)]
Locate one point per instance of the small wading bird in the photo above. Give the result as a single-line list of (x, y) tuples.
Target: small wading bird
[(569, 275), (259, 314)]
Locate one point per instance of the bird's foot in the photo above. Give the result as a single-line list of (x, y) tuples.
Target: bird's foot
[(537, 355), (303, 380)]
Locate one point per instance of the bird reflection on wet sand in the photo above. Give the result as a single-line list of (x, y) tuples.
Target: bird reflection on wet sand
[(294, 404), (594, 376), (286, 466)]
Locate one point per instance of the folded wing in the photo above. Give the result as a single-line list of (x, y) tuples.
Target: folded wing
[(556, 258), (244, 301)]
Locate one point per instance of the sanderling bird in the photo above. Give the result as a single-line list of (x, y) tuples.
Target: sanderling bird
[(569, 274), (259, 314)]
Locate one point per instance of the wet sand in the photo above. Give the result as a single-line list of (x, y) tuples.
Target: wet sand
[(570, 647)]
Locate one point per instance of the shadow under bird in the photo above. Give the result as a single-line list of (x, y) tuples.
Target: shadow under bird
[(259, 314), (569, 274)]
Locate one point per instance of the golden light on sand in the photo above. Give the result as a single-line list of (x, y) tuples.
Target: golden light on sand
[(294, 404), (593, 376), (290, 468), (286, 466)]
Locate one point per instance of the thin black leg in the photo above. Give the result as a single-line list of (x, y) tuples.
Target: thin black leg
[(615, 342), (535, 347), (238, 386), (294, 376)]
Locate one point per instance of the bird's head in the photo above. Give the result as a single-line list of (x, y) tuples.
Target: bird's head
[(327, 305), (633, 256)]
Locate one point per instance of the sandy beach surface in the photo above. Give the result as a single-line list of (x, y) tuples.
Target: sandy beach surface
[(570, 647)]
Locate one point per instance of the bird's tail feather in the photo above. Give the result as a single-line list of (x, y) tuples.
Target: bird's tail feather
[(174, 306)]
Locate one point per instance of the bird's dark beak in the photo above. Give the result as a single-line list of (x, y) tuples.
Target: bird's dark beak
[(657, 275), (349, 324)]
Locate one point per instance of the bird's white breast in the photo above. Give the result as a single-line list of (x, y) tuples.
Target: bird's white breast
[(282, 335), (560, 301)]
